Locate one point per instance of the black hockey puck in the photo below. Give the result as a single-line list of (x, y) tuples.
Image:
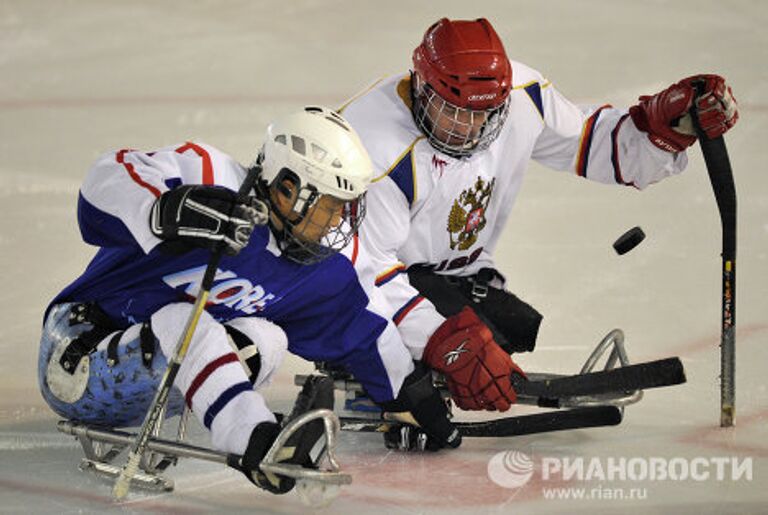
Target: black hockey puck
[(628, 240)]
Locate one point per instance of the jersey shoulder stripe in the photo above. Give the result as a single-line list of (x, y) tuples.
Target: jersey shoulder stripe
[(534, 93), (403, 173), (120, 158), (383, 120), (207, 172), (532, 82)]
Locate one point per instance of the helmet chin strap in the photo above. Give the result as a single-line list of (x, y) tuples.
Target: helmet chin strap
[(291, 245)]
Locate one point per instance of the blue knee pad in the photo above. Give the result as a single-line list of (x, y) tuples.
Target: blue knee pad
[(116, 395)]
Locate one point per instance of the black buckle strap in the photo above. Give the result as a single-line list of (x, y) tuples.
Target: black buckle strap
[(241, 341), (112, 358), (91, 313), (79, 347), (480, 283), (147, 341), (86, 342)]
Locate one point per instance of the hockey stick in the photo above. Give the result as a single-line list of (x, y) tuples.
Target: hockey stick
[(550, 392), (721, 177), (509, 426), (120, 490), (640, 376)]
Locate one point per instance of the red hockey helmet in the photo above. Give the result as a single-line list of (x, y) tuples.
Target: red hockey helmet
[(465, 63), (461, 68)]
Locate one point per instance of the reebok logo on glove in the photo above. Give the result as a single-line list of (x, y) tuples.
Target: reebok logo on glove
[(478, 373), (452, 356)]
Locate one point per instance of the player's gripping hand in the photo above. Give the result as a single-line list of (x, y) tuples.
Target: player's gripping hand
[(478, 372), (205, 216), (666, 116), (262, 438), (421, 408), (317, 393)]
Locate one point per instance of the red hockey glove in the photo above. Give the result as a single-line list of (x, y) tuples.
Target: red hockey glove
[(666, 116), (478, 372)]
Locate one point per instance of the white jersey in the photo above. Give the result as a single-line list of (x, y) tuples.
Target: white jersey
[(426, 207)]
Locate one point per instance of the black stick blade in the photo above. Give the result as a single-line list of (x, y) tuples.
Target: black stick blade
[(652, 374), (516, 425), (544, 422)]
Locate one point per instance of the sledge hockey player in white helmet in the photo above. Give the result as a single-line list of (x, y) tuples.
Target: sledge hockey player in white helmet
[(155, 217), (450, 142)]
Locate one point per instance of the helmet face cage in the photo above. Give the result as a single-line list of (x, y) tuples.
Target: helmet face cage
[(454, 130), (318, 231)]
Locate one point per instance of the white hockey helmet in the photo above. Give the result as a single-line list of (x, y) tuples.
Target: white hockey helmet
[(319, 153)]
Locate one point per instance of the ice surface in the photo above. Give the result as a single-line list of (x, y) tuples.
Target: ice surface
[(80, 78)]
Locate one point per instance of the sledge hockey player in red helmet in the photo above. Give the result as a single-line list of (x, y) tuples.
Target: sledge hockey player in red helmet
[(450, 143), (461, 82)]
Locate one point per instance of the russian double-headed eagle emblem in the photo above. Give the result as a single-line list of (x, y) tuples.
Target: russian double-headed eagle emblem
[(467, 217)]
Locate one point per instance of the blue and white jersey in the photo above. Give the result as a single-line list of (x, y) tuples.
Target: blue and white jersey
[(324, 308)]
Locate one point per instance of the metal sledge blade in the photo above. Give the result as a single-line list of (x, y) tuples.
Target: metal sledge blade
[(153, 482), (183, 450)]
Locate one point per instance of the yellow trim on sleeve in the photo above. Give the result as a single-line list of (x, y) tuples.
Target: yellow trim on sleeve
[(413, 171), (398, 266), (541, 85), (523, 86)]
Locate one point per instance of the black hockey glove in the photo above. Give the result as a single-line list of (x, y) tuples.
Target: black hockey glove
[(205, 216), (317, 393), (419, 397), (262, 438)]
